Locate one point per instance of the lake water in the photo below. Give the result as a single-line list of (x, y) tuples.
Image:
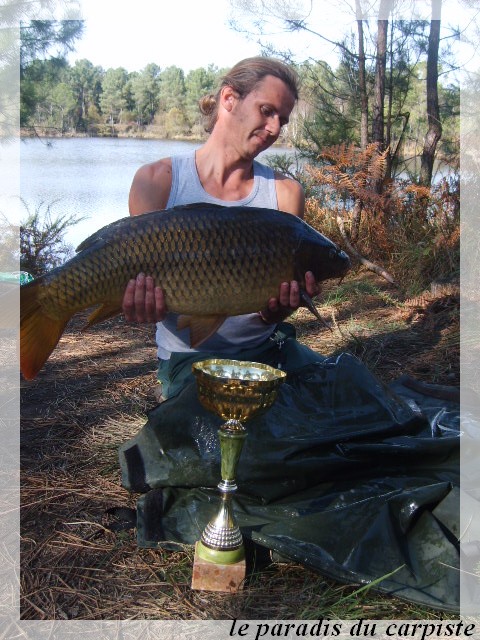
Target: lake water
[(89, 177)]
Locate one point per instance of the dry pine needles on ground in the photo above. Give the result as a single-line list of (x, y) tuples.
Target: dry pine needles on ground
[(93, 395)]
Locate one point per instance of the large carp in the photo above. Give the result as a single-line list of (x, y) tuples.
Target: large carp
[(211, 261)]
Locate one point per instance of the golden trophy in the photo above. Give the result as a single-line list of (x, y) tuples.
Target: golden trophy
[(236, 391)]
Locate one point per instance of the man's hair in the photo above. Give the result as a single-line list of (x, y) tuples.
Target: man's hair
[(243, 78)]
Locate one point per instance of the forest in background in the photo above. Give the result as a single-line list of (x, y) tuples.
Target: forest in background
[(83, 99)]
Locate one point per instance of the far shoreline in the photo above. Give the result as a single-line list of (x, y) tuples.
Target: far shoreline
[(47, 132), (123, 132)]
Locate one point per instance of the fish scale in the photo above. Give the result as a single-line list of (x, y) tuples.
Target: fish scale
[(211, 261)]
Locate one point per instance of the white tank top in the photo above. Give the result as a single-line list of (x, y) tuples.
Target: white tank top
[(244, 331)]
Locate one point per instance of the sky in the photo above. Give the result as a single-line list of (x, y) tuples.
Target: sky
[(196, 33), (185, 33)]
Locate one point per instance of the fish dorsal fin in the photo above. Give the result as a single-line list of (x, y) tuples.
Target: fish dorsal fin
[(103, 233), (105, 311), (201, 327), (194, 206)]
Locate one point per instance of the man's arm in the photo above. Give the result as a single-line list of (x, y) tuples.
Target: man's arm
[(150, 187), (142, 300), (290, 195), (290, 198)]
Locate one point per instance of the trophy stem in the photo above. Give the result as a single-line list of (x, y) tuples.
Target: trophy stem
[(222, 541)]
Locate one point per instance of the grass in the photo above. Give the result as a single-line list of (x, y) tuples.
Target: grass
[(349, 290), (94, 394)]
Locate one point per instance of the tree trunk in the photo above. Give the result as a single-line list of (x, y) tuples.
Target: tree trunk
[(378, 119), (389, 122), (362, 88), (362, 83), (434, 132), (379, 91)]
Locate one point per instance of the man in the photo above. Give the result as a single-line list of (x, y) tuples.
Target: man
[(253, 103)]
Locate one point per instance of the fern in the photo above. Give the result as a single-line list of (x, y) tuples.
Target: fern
[(405, 227)]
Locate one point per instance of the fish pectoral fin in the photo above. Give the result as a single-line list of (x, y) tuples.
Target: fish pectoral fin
[(201, 327), (308, 302), (103, 312)]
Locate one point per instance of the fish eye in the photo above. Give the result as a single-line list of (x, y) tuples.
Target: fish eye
[(334, 253)]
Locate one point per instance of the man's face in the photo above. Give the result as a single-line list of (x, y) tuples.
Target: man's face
[(262, 113)]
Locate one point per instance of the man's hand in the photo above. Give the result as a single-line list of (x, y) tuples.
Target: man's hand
[(143, 301), (288, 299)]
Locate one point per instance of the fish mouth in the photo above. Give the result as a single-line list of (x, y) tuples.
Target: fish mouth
[(341, 259), (345, 258)]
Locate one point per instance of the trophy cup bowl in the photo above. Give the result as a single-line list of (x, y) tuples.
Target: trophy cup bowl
[(235, 391)]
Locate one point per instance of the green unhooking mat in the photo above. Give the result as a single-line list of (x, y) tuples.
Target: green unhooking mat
[(342, 474)]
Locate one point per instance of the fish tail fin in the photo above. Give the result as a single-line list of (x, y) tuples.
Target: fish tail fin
[(39, 333)]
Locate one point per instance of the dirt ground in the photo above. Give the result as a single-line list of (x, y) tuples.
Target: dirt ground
[(93, 395)]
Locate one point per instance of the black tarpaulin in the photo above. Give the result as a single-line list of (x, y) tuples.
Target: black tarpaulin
[(344, 475)]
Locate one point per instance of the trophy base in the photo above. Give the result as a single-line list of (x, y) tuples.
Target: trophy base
[(210, 575)]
